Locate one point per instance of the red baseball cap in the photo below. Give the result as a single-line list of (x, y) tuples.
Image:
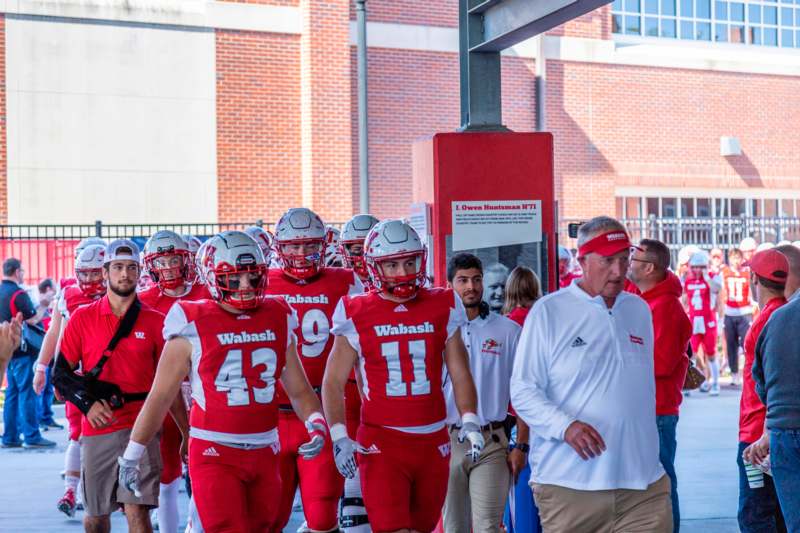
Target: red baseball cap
[(771, 265), (606, 244)]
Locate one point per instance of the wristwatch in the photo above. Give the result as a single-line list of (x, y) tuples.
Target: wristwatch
[(524, 447)]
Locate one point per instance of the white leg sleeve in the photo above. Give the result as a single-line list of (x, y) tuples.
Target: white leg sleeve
[(352, 514), (72, 463), (168, 507), (714, 371)]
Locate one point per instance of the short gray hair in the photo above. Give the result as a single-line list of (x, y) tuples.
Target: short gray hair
[(596, 226)]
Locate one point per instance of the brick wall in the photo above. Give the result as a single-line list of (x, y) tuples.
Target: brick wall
[(258, 124)]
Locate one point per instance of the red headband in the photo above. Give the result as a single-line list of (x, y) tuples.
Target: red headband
[(606, 244)]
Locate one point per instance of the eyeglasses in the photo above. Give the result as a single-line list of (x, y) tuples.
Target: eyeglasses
[(642, 260)]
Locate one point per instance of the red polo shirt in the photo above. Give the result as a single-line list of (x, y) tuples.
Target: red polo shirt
[(132, 366), (751, 411)]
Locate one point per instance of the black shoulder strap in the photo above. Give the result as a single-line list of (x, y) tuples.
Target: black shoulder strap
[(123, 330)]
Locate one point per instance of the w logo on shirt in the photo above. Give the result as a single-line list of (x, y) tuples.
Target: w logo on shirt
[(139, 335), (577, 343), (444, 449)]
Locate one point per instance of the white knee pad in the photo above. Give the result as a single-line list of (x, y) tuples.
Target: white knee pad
[(352, 513)]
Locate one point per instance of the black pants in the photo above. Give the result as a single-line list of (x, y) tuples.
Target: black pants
[(735, 329)]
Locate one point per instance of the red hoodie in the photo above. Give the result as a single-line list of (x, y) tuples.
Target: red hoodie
[(672, 330)]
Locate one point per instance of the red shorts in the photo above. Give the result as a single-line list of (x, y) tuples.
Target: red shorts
[(170, 451), (352, 408), (234, 490), (321, 485), (707, 340), (405, 485), (74, 417)]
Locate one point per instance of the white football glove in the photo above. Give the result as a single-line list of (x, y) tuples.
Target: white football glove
[(344, 454), (129, 475), (471, 431), (318, 430)]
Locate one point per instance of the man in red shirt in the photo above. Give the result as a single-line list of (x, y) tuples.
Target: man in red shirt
[(168, 261), (234, 348), (661, 289), (313, 290), (759, 509), (399, 337), (130, 366)]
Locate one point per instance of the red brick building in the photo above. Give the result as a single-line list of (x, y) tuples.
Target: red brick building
[(638, 103)]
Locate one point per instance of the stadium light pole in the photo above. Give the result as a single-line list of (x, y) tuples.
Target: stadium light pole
[(363, 146)]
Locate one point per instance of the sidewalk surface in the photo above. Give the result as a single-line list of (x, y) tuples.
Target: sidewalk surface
[(707, 475)]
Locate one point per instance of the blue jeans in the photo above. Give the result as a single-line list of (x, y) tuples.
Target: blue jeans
[(521, 514), (44, 403), (667, 446), (19, 411), (759, 511), (784, 446)]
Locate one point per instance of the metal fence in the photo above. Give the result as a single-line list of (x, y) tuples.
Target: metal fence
[(707, 232)]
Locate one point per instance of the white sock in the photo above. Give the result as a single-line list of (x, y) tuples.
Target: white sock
[(193, 524), (352, 489), (72, 463), (714, 364), (168, 507)]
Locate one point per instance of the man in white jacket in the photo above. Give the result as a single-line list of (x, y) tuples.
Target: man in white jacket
[(583, 381)]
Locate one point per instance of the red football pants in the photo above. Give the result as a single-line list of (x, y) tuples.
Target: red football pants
[(321, 484), (170, 451), (405, 485), (74, 417), (352, 408), (234, 490), (707, 340)]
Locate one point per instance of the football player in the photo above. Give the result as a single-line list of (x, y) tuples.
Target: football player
[(700, 292), (234, 348), (313, 290), (169, 263), (88, 286), (397, 336), (738, 309), (194, 245), (352, 515)]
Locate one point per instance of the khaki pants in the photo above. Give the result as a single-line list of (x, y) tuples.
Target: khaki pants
[(605, 511), (477, 490)]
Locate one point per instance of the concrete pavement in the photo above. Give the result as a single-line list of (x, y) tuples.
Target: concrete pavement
[(706, 465)]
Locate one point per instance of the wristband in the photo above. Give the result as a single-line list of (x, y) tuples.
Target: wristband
[(338, 432), (317, 418), (470, 417), (41, 368), (524, 447), (134, 451)]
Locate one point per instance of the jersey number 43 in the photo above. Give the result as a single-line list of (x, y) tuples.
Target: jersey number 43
[(231, 381)]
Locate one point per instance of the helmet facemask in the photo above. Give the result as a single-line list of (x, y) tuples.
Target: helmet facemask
[(227, 282), (170, 269), (91, 282), (354, 260), (399, 285), (302, 265)]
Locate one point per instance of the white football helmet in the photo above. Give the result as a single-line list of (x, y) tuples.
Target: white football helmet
[(86, 242), (89, 270), (393, 240), (300, 226), (764, 246), (685, 253), (168, 260), (332, 257), (226, 257), (355, 232), (194, 245), (264, 240), (748, 244), (699, 259)]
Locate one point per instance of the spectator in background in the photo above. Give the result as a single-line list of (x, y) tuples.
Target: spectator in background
[(19, 411), (776, 373), (758, 506), (738, 305), (521, 516), (495, 276), (717, 261), (662, 290), (584, 382), (566, 272), (44, 403), (792, 254)]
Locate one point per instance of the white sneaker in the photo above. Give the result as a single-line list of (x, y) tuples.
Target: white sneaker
[(714, 390)]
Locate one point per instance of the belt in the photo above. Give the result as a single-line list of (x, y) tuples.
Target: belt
[(242, 446), (488, 427)]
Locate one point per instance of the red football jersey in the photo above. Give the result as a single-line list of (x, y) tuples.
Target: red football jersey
[(401, 353), (71, 299), (737, 289), (162, 302), (236, 362), (314, 301), (698, 295)]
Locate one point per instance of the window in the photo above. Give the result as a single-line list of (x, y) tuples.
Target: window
[(755, 22)]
